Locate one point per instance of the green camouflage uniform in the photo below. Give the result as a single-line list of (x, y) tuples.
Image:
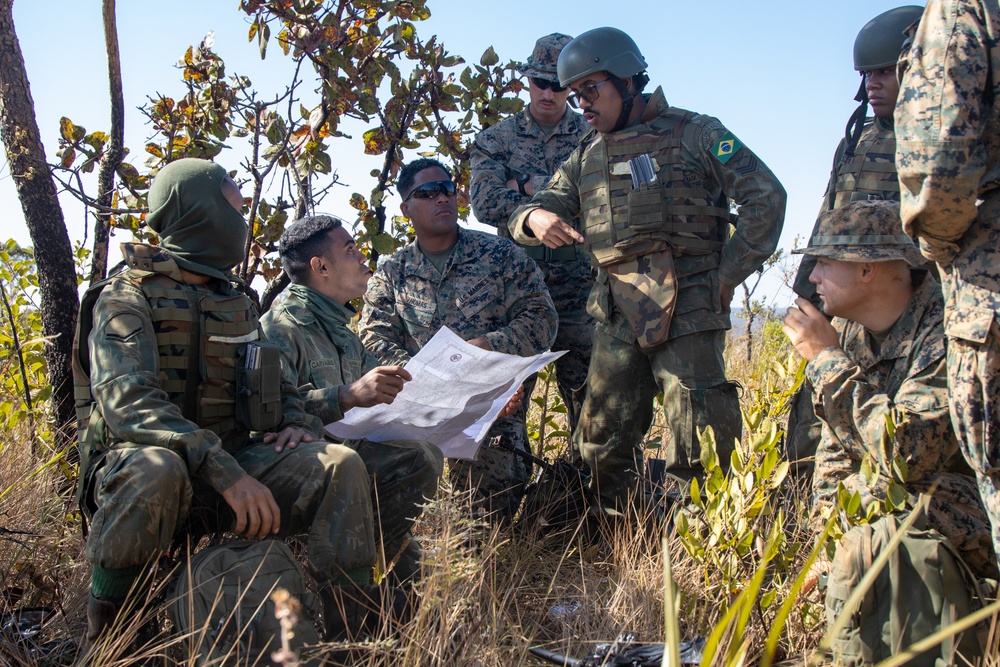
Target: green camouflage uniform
[(869, 175), (948, 157), (518, 145), (488, 288), (321, 355), (663, 253), (156, 454)]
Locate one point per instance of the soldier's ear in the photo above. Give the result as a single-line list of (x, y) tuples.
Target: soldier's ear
[(404, 208), (318, 265)]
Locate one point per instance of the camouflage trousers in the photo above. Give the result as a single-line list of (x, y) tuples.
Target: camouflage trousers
[(803, 433), (955, 511), (618, 409), (403, 475), (496, 477), (569, 286), (144, 497)]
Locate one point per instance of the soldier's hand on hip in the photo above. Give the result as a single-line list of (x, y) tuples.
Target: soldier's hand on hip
[(379, 385), (808, 329), (552, 230), (726, 297), (289, 437), (257, 514)]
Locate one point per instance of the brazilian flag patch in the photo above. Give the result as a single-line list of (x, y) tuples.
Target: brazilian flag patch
[(726, 147)]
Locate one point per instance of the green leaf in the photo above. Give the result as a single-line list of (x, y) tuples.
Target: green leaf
[(489, 58)]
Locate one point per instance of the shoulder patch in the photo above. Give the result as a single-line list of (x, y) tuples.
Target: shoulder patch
[(726, 147), (123, 326)]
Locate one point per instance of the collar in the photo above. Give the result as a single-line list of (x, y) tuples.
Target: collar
[(464, 251), (900, 339)]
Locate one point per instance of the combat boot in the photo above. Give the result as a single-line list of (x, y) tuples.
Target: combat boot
[(354, 613)]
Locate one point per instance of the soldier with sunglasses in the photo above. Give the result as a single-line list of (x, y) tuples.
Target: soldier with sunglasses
[(652, 186), (482, 287), (510, 161)]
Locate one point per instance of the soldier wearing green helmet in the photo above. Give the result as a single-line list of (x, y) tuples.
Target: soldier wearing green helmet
[(652, 185), (864, 168)]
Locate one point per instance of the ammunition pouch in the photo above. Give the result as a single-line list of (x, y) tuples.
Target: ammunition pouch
[(258, 386)]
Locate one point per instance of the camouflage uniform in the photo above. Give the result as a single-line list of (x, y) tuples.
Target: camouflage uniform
[(488, 288), (948, 157), (870, 174), (159, 447), (662, 258), (403, 474), (518, 145)]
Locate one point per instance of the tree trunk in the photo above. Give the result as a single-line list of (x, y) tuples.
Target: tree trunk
[(114, 152), (37, 192)]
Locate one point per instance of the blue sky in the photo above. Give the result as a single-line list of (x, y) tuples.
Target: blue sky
[(777, 73)]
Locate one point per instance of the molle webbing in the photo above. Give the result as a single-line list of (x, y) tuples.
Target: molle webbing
[(623, 222), (871, 171)]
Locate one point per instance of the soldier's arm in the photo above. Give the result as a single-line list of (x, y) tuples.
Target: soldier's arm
[(560, 197), (761, 198), (532, 319), (381, 328), (855, 409), (126, 387), (939, 122), (492, 200)]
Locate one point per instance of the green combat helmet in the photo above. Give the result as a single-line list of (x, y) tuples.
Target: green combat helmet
[(603, 50), (863, 231), (877, 46), (541, 64)]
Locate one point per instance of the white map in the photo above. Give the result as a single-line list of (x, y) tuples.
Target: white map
[(456, 393)]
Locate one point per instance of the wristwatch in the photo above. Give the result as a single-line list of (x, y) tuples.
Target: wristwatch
[(521, 180)]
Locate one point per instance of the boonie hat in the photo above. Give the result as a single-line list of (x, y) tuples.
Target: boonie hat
[(541, 63), (863, 231)]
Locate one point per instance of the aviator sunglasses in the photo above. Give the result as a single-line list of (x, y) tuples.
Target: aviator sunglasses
[(545, 84), (432, 190)]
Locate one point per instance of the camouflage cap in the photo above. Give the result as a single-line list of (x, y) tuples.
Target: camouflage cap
[(863, 231), (541, 63)]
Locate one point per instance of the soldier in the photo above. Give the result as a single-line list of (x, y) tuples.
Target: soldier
[(325, 359), (510, 161), (163, 434), (948, 155), (652, 185), (478, 285), (883, 353), (864, 168)]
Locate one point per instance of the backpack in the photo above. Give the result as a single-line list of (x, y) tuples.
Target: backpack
[(220, 603), (924, 587)]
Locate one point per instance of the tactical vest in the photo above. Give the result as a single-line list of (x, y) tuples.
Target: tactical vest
[(622, 222), (871, 172), (200, 337)]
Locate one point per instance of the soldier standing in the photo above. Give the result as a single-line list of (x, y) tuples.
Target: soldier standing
[(652, 186), (510, 161), (864, 168), (948, 156)]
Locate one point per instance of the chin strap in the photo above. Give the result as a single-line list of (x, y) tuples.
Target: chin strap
[(627, 102), (856, 123)]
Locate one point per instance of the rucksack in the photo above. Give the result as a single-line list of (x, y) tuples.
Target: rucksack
[(924, 587), (220, 603)]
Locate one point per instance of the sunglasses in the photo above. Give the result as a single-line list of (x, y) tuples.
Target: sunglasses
[(589, 93), (545, 84), (432, 190)]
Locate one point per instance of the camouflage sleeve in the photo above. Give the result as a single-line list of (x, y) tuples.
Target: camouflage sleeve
[(854, 410), (560, 196), (381, 328), (746, 180), (323, 402), (531, 316), (942, 111), (125, 371), (294, 413), (492, 200)]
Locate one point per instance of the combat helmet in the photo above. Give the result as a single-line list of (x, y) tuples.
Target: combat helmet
[(877, 46), (603, 50)]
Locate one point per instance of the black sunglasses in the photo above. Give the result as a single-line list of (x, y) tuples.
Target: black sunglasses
[(545, 84), (589, 93), (432, 190)]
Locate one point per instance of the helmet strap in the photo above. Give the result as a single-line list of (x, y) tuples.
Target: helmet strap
[(627, 103), (856, 123)]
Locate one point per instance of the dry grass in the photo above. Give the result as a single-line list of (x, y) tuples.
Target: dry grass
[(487, 595)]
